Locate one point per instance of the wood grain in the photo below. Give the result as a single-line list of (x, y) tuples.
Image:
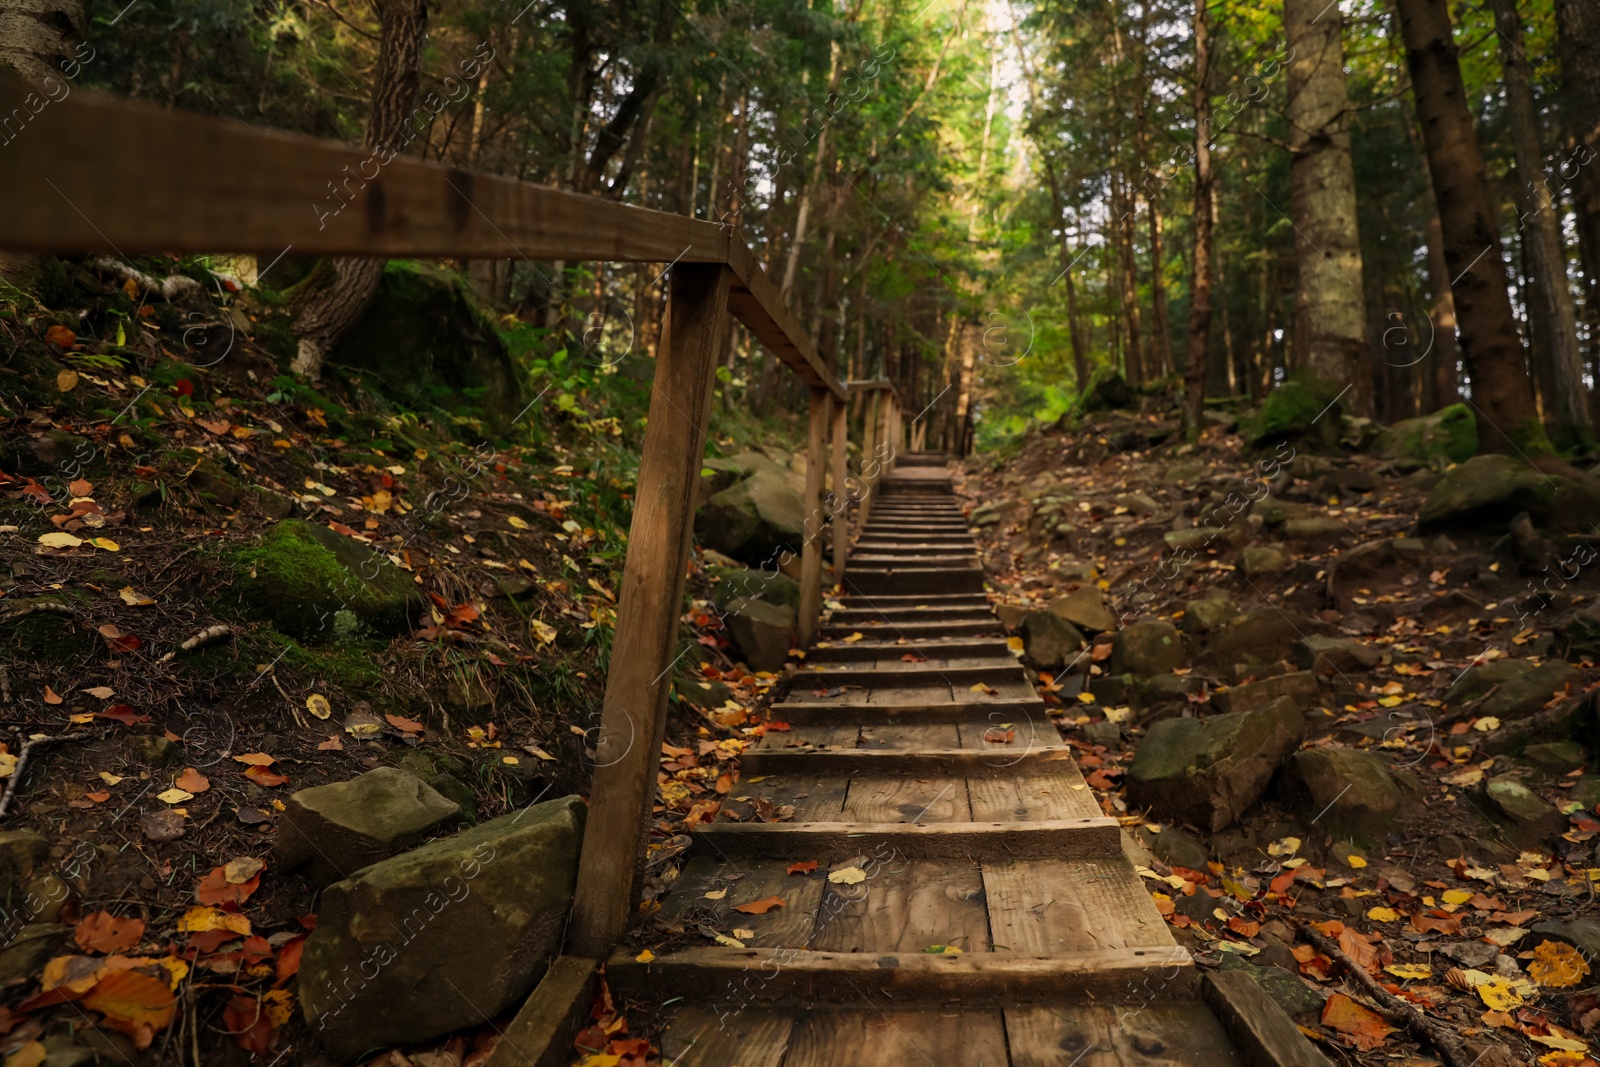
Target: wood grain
[(811, 527), (1140, 1035), (1070, 838), (899, 1038)]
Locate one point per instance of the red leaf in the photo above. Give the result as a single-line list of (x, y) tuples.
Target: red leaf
[(289, 958), (124, 714), (264, 776), (134, 1003), (251, 1028), (61, 337), (760, 907), (215, 888), (183, 387), (803, 867)]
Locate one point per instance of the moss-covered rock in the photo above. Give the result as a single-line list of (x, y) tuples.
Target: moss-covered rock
[(1293, 411), (1105, 390), (744, 583), (427, 340), (1451, 433), (318, 585), (1488, 491)]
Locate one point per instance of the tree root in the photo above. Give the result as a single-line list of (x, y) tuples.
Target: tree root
[(22, 764), (209, 635)]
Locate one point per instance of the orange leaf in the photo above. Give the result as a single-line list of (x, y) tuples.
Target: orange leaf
[(192, 781), (61, 337), (410, 726), (803, 867), (248, 1023), (215, 888), (263, 776), (105, 933), (1361, 1026), (760, 907), (289, 958), (256, 759), (51, 696), (99, 798), (124, 714), (134, 1003)]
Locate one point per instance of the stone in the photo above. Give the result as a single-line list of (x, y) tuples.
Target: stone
[(1485, 491), (1449, 433), (153, 750), (1300, 686), (1104, 733), (1285, 988), (1049, 642), (1530, 820), (1137, 503), (764, 632), (1178, 848), (1581, 934), (1555, 757), (743, 583), (1471, 953), (469, 698), (1292, 411), (1085, 608), (1315, 529), (50, 453), (21, 853), (444, 936), (1586, 791), (1191, 538), (1265, 635), (1513, 687), (1106, 390), (25, 955), (1150, 647), (514, 586), (759, 516), (317, 585), (1353, 792), (1113, 689), (1335, 655), (1207, 772), (1011, 615), (1207, 614), (335, 830), (1186, 471), (458, 793), (1260, 561)]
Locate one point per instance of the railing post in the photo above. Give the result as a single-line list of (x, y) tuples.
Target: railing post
[(869, 456), (841, 494), (633, 719), (811, 548)]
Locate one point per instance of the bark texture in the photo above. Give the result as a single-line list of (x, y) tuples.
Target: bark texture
[(1330, 321), (1552, 317), (325, 315), (38, 36), (1578, 48), (1199, 337), (1490, 346)]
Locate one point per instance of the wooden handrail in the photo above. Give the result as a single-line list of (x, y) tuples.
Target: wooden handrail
[(93, 173)]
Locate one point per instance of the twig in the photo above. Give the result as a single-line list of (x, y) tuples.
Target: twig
[(204, 637), (52, 606), (22, 764), (1445, 1040)]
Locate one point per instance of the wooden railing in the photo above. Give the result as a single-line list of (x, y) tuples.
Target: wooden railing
[(95, 174)]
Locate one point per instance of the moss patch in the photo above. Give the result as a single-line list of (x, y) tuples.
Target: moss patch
[(1291, 411), (317, 585)]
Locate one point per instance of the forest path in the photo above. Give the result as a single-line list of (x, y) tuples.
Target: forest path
[(942, 886)]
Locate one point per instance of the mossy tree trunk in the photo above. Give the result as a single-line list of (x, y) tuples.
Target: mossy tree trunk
[(1502, 395), (325, 314)]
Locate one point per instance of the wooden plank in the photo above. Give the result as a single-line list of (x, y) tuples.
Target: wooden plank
[(813, 797), (905, 906), (729, 1035), (1167, 1034), (1063, 838), (931, 762), (1029, 796), (1265, 1036), (854, 710), (541, 1033), (839, 437), (811, 528), (738, 884), (1052, 906), (213, 185), (633, 718), (910, 674), (899, 1038), (850, 977), (757, 303), (919, 801)]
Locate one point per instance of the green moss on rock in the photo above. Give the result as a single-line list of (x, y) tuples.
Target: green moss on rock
[(1450, 432), (1291, 411), (317, 585)]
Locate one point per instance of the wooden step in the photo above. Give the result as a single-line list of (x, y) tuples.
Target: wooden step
[(922, 600), (870, 580), (912, 630), (1061, 839), (899, 609), (858, 651), (909, 674), (1005, 978), (819, 713), (998, 762)]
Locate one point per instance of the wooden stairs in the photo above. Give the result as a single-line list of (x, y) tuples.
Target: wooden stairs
[(970, 903)]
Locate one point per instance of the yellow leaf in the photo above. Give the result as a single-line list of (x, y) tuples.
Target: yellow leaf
[(199, 920), (717, 894), (1457, 896), (645, 957), (543, 631), (31, 1054), (105, 543), (1498, 994), (59, 539), (279, 1005), (1410, 970), (1557, 965), (1389, 702), (517, 521), (110, 779), (318, 705), (66, 380), (1383, 915), (1357, 862), (1487, 723), (174, 796), (858, 635), (133, 598), (1015, 645), (847, 876), (176, 970), (8, 765), (1086, 697)]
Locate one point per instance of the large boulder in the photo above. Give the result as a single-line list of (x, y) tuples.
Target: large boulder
[(335, 829), (1085, 608), (1353, 793), (1207, 772), (1486, 491), (431, 344), (1048, 641), (1513, 687), (1150, 647), (757, 510), (1263, 636), (318, 585), (1529, 820), (764, 632), (1335, 655), (1295, 410), (1449, 433), (443, 937), (1299, 686), (1209, 613), (745, 583)]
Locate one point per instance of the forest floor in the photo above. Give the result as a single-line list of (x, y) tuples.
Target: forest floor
[(1436, 699)]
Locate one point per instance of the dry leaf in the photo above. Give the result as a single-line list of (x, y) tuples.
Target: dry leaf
[(1361, 1027), (192, 781), (105, 933), (318, 705), (133, 598), (760, 907), (847, 876), (1557, 965)]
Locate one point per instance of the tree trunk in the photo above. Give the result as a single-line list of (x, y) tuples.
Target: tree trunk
[(327, 313), (1125, 205), (1551, 313), (808, 191), (1195, 367), (1161, 337), (1490, 346), (1330, 316), (1578, 48)]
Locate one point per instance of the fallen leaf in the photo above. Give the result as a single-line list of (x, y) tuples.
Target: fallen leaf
[(134, 1003), (100, 692), (133, 598), (256, 759), (1557, 965), (51, 696), (61, 337), (1361, 1027), (203, 920), (66, 381), (174, 796), (264, 776), (162, 826), (104, 933), (1498, 994), (1409, 971), (716, 894), (645, 957), (803, 867), (215, 888), (192, 781), (847, 876), (318, 705), (124, 714), (760, 907), (1383, 915), (410, 726), (241, 870)]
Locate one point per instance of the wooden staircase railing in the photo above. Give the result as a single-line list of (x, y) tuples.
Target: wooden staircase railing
[(90, 173)]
